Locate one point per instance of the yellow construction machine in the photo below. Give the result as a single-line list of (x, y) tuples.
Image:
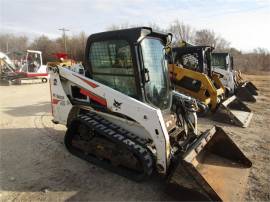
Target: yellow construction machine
[(191, 73), (63, 60)]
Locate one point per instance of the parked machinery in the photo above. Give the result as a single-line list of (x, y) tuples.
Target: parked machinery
[(7, 70), (191, 72), (64, 61), (123, 115), (222, 64), (32, 68)]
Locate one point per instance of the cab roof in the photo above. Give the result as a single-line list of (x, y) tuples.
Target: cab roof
[(131, 34)]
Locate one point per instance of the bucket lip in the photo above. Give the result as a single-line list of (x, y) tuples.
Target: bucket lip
[(203, 140), (245, 94), (248, 119), (199, 144), (229, 100), (235, 119)]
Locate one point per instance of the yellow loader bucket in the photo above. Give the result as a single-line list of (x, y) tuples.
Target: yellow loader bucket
[(213, 168), (234, 111)]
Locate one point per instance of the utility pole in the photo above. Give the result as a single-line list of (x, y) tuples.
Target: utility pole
[(64, 30), (7, 46)]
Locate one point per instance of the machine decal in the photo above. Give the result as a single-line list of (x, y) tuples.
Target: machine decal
[(117, 104), (93, 85), (55, 101), (36, 74), (61, 97), (94, 97), (63, 103), (55, 82)]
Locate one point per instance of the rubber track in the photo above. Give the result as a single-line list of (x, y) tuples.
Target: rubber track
[(117, 135)]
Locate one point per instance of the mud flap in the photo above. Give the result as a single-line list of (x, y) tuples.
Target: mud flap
[(233, 111), (213, 168)]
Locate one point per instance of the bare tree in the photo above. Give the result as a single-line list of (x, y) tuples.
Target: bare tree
[(257, 60), (253, 62), (156, 27), (181, 32), (209, 38), (46, 46), (205, 37), (222, 44), (10, 43), (77, 44)]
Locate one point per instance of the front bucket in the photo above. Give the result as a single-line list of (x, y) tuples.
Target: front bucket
[(252, 88), (213, 168), (245, 94), (233, 111)]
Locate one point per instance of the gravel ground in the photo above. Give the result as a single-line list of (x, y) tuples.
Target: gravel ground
[(36, 166)]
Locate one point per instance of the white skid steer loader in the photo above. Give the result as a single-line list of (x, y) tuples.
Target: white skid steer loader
[(223, 64), (123, 116)]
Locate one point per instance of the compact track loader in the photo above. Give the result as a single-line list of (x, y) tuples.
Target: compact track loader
[(192, 74), (123, 115), (222, 64)]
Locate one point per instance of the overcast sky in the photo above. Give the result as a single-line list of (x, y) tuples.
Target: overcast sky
[(245, 23)]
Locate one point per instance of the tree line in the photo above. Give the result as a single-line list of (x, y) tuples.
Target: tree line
[(16, 46), (257, 60)]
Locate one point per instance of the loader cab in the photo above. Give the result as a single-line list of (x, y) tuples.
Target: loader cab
[(197, 58), (222, 61), (33, 61), (133, 62)]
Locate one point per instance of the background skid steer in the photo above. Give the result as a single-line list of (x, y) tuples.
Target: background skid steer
[(241, 83), (191, 72), (134, 133), (222, 64)]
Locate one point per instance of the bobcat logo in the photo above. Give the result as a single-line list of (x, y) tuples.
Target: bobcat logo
[(117, 104), (55, 82)]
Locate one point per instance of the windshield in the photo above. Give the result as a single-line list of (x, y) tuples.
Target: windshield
[(157, 88), (218, 61), (33, 62)]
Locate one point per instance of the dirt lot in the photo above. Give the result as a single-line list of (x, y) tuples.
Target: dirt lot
[(35, 165)]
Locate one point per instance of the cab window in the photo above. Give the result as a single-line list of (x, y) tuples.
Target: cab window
[(112, 65)]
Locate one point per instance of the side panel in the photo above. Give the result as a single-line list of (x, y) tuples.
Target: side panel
[(227, 79), (148, 117), (61, 105), (207, 92)]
